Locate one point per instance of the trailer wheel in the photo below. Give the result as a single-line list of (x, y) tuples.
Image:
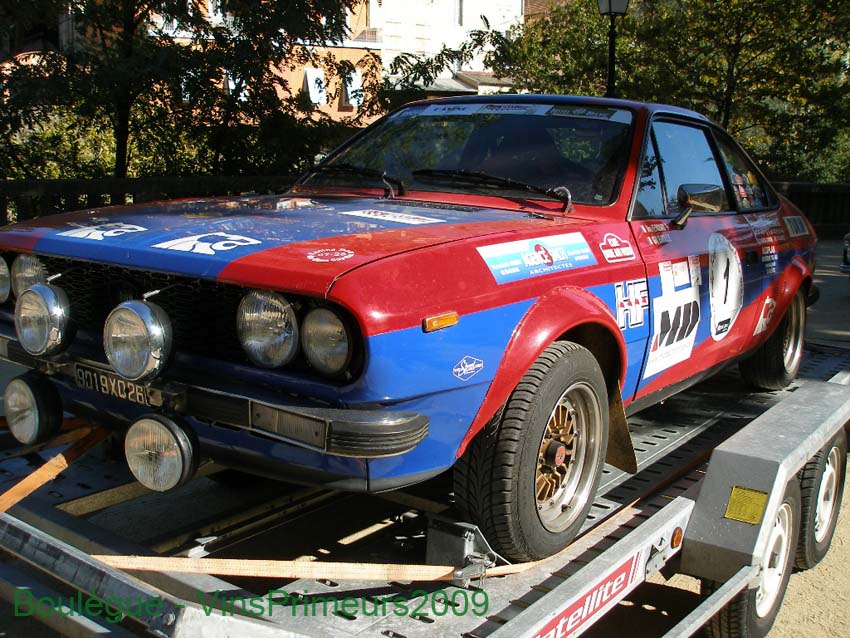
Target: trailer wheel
[(775, 363), (821, 489), (529, 477), (751, 613)]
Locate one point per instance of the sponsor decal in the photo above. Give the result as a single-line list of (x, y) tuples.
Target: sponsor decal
[(467, 368), (796, 227), (99, 232), (527, 258), (725, 285), (330, 254), (583, 611), (615, 249), (451, 109), (676, 315), (765, 316), (592, 112), (632, 302), (770, 259), (657, 234), (389, 216), (208, 243)]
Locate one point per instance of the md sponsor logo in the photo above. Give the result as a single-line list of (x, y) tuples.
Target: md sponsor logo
[(676, 315), (208, 243), (467, 368), (99, 232), (632, 302), (578, 615)]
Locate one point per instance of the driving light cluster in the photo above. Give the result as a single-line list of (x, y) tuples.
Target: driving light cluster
[(270, 334)]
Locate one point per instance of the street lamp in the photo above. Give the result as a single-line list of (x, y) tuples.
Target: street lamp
[(612, 9)]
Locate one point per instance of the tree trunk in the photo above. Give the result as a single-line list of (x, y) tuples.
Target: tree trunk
[(121, 133)]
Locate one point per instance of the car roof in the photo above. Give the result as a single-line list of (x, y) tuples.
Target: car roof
[(526, 98)]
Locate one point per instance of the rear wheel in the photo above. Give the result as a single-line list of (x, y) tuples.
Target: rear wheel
[(821, 488), (775, 363), (751, 613), (529, 477)]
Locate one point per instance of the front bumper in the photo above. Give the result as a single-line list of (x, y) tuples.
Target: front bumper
[(361, 434)]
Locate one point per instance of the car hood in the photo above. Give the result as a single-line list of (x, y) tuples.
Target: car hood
[(306, 242)]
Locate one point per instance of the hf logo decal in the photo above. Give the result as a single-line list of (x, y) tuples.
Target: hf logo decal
[(208, 243), (676, 315), (99, 232), (632, 302)]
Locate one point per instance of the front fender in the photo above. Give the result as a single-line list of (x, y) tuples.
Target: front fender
[(552, 316)]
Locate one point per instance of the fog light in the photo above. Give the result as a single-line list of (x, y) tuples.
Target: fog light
[(161, 454), (43, 319), (33, 409), (137, 339)]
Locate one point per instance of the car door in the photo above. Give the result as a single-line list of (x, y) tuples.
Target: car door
[(700, 270)]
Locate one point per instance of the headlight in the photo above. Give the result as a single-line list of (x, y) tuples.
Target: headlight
[(5, 281), (27, 270), (43, 319), (137, 339), (160, 454), (326, 342), (268, 329), (33, 409)]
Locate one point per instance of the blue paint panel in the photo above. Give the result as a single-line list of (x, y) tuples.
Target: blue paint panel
[(444, 360), (523, 259)]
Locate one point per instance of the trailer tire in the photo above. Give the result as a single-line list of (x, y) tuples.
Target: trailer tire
[(821, 489), (752, 612), (775, 363), (529, 477)]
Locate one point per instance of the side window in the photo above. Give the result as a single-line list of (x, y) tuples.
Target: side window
[(650, 197), (686, 158), (748, 188)]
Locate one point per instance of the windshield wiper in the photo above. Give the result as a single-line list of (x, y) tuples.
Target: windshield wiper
[(561, 193), (351, 169)]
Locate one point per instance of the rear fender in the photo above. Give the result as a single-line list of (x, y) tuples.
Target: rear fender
[(573, 314)]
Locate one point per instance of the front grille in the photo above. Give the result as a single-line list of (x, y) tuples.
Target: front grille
[(203, 313)]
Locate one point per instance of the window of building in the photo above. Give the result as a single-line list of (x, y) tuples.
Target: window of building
[(314, 85), (352, 90)]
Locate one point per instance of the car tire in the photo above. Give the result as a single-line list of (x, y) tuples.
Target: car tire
[(775, 363), (530, 476), (752, 612), (821, 489)]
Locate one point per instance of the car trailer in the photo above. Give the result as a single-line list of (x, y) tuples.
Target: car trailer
[(733, 488)]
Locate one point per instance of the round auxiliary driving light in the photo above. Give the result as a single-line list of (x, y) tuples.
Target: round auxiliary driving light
[(325, 341), (137, 339), (268, 329), (27, 270), (43, 319), (33, 409), (161, 454), (5, 281)]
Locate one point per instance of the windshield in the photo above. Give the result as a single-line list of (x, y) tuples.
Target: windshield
[(582, 148)]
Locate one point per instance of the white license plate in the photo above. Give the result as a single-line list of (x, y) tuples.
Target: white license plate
[(111, 385)]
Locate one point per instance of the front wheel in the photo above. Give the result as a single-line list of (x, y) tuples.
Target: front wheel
[(776, 362), (530, 476)]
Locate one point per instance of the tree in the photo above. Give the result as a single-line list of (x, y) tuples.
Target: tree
[(178, 86)]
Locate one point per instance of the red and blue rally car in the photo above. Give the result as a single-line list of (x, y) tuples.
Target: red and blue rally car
[(488, 284)]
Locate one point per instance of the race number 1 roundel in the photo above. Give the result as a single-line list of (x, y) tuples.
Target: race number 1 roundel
[(725, 285)]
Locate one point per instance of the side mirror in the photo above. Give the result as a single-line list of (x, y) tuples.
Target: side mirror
[(702, 198)]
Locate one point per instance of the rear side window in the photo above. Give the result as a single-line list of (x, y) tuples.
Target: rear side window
[(686, 157), (748, 187), (650, 197)]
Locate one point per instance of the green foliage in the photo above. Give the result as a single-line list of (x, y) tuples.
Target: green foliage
[(177, 93)]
